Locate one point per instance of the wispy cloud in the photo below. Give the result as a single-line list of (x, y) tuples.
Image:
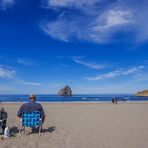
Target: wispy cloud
[(4, 4), (56, 29), (56, 85), (6, 73), (94, 24), (28, 83), (25, 62), (116, 73), (91, 65), (132, 70), (113, 18), (5, 89), (137, 82), (11, 75), (69, 3)]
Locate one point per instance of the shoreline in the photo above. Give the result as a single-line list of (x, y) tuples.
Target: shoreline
[(81, 102)]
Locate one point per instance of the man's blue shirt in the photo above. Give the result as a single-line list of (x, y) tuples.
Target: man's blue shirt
[(30, 107)]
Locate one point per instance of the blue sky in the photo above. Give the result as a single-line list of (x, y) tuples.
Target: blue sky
[(97, 46)]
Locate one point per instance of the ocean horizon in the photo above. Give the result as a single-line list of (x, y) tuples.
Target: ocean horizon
[(75, 98)]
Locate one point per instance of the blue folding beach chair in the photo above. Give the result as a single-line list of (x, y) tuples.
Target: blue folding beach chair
[(31, 119)]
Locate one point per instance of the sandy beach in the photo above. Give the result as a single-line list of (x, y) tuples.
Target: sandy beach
[(84, 125)]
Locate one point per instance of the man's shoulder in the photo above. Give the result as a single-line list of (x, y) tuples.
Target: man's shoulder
[(35, 104), (38, 104), (25, 104)]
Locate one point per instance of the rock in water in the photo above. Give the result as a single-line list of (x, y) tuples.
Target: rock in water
[(66, 91)]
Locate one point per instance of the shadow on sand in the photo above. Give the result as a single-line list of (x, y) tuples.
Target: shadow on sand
[(49, 130), (14, 130)]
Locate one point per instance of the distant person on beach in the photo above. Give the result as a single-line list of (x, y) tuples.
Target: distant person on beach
[(3, 118), (116, 100), (113, 100), (32, 106)]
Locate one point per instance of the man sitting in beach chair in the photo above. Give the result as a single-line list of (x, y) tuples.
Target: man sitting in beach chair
[(31, 114), (3, 118)]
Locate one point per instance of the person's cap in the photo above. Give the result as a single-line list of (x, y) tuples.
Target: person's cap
[(2, 109), (32, 95)]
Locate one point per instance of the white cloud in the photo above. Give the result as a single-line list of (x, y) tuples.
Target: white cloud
[(6, 73), (25, 62), (4, 4), (98, 29), (93, 24), (28, 83), (104, 76), (118, 17), (57, 30), (126, 86), (116, 73), (132, 70), (88, 64), (70, 3), (103, 28), (113, 18), (5, 89)]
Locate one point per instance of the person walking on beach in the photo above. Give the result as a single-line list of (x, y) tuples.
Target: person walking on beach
[(31, 106), (113, 100), (116, 100), (3, 118)]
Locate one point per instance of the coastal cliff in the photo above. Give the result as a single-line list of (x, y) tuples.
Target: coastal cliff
[(143, 93)]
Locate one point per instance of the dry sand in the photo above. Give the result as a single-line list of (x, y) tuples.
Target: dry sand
[(85, 125)]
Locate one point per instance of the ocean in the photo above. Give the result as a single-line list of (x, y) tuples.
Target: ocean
[(74, 98)]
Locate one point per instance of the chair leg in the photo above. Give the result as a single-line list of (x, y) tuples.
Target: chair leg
[(2, 127), (40, 128), (24, 129), (20, 129)]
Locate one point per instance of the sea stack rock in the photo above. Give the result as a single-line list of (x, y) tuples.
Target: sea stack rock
[(143, 93), (66, 91)]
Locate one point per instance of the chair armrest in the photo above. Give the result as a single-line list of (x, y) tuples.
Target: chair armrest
[(3, 119)]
